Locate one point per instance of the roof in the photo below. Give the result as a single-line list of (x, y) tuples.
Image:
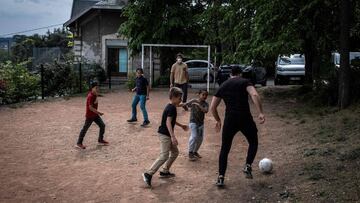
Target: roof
[(81, 7)]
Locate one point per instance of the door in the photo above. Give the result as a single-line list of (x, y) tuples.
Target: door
[(123, 61), (118, 61)]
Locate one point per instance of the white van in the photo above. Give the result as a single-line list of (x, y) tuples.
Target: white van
[(289, 68)]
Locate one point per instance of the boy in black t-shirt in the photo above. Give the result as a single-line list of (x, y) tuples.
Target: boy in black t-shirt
[(142, 95), (168, 141)]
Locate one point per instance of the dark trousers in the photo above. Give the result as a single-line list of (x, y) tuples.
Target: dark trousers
[(184, 88), (87, 125), (233, 124)]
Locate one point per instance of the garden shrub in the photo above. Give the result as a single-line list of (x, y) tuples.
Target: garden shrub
[(130, 83), (17, 83), (60, 79), (93, 72)]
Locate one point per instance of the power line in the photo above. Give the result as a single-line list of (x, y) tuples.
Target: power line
[(14, 33)]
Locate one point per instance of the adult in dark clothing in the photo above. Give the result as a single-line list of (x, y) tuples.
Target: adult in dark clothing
[(235, 93)]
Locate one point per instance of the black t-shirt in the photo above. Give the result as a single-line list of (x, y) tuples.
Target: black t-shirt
[(234, 93), (141, 84), (169, 111)]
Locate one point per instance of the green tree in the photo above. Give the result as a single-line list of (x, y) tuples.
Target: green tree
[(160, 21)]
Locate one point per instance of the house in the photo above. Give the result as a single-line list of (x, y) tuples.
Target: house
[(95, 24)]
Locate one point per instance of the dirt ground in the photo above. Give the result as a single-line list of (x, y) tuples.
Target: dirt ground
[(40, 164)]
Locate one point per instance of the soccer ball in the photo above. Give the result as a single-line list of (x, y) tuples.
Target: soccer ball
[(265, 165)]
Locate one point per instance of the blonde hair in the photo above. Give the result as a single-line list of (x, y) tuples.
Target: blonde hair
[(175, 92)]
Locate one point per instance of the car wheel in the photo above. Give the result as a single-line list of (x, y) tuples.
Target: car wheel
[(211, 78)]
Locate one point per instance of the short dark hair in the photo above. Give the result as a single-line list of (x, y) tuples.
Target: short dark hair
[(93, 84), (235, 70), (180, 55), (175, 92), (141, 70)]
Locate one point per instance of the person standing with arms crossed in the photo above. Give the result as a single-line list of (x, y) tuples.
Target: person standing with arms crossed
[(235, 92), (179, 77)]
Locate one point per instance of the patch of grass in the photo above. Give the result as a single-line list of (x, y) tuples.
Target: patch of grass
[(351, 155), (315, 171), (320, 152)]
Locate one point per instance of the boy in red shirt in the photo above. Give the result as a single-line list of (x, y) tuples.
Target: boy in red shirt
[(92, 115)]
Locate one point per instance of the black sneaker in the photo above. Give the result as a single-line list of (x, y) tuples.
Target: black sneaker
[(220, 181), (147, 178), (132, 120), (145, 123), (197, 155), (166, 174), (247, 171), (192, 156)]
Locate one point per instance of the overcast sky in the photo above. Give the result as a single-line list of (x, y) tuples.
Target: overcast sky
[(21, 15)]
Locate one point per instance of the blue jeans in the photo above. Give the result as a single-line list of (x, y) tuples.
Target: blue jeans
[(142, 99), (196, 138)]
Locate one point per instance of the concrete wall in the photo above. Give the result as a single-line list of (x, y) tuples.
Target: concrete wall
[(92, 32), (92, 47)]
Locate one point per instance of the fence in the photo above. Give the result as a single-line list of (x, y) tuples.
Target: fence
[(18, 84)]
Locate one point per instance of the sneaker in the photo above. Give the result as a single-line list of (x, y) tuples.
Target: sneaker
[(103, 142), (220, 181), (132, 120), (147, 178), (192, 156), (145, 123), (197, 155), (247, 171), (80, 146), (166, 174)]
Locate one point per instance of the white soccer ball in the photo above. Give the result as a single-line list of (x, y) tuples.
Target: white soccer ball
[(265, 165)]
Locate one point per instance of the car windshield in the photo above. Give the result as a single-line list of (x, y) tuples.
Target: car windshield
[(287, 61)]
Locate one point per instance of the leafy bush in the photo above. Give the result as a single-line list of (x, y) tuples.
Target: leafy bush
[(162, 80), (93, 71), (16, 83), (60, 79), (130, 83)]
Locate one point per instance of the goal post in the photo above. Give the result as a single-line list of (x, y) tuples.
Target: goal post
[(174, 45)]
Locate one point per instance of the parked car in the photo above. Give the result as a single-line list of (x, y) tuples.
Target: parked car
[(290, 69), (198, 70), (254, 72), (354, 58)]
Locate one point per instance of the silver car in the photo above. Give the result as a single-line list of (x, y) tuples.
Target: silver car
[(290, 69), (198, 70)]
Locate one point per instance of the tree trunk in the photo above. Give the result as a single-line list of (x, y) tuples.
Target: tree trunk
[(344, 79), (308, 62)]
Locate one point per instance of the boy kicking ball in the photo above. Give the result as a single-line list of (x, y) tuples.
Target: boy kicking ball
[(168, 142), (92, 115)]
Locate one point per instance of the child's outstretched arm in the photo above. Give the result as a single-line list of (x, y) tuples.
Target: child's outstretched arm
[(203, 109), (188, 104), (184, 127)]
